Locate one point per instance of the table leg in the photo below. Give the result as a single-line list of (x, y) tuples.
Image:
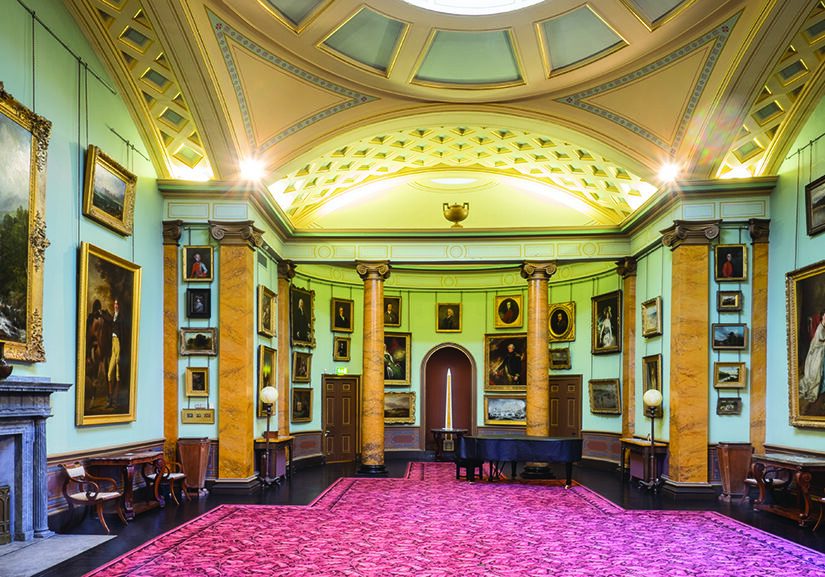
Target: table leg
[(128, 474), (758, 472), (803, 487)]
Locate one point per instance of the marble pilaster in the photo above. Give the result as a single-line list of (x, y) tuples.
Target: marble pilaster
[(626, 268), (172, 231), (372, 401), (760, 233), (286, 272)]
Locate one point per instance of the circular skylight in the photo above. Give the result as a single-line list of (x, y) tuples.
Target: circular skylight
[(473, 7)]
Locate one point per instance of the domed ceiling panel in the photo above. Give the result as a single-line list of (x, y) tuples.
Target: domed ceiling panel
[(576, 37), (653, 12), (294, 13), (369, 39)]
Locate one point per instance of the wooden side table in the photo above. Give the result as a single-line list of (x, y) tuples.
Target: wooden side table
[(440, 436), (642, 448), (128, 464)]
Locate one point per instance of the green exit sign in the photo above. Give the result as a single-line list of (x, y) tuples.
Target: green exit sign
[(341, 370)]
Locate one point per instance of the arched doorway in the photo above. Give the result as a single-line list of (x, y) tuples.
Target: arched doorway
[(463, 377)]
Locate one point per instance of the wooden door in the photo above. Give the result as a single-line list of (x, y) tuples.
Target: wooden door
[(340, 418), (565, 405)]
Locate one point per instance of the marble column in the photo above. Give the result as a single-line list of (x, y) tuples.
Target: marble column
[(538, 359), (372, 400), (286, 272), (40, 482), (626, 268), (236, 354), (760, 232), (172, 231), (688, 401)]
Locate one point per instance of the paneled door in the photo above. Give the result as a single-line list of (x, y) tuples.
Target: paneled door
[(341, 410), (565, 405)]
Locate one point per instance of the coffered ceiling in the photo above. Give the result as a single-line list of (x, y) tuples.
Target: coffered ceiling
[(551, 116)]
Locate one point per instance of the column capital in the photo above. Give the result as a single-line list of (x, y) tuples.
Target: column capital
[(760, 229), (690, 232), (286, 269), (538, 270), (373, 270), (236, 232), (626, 267), (172, 231)]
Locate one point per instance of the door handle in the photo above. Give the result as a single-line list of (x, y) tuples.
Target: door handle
[(327, 433)]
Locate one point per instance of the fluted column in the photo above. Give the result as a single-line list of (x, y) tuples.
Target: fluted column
[(236, 357), (286, 272), (538, 359), (626, 268), (688, 401), (372, 404), (40, 489), (760, 232), (172, 231)]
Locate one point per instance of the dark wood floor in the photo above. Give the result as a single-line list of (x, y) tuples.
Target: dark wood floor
[(308, 483)]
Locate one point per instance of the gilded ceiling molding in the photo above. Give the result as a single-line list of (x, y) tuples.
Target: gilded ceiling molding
[(373, 270), (626, 267), (690, 232), (224, 33), (718, 36), (236, 233), (538, 270), (760, 229), (172, 231)]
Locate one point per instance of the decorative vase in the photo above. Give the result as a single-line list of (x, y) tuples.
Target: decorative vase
[(455, 213), (5, 368)]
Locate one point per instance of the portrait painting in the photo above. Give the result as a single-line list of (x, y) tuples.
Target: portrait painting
[(197, 263), (815, 206), (24, 138), (505, 410), (606, 320), (729, 336), (805, 299), (267, 367), (109, 325), (267, 307), (506, 362), (652, 317), (508, 313), (399, 408), (301, 367), (562, 322), (652, 377), (197, 382), (559, 359), (392, 311), (729, 375), (448, 317), (342, 315), (195, 342), (301, 406), (340, 349), (302, 316), (108, 192), (397, 366), (604, 396), (731, 262), (728, 406), (198, 303), (728, 301)]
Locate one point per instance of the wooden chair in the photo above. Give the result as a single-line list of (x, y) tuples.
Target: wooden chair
[(81, 488), (772, 482), (172, 473)]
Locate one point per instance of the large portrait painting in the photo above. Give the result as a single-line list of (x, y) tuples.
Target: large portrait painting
[(508, 313), (109, 192), (24, 139), (397, 367), (506, 362), (302, 316), (607, 323), (562, 322), (108, 318), (806, 345)]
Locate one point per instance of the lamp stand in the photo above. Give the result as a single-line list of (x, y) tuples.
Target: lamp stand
[(264, 477), (655, 483)]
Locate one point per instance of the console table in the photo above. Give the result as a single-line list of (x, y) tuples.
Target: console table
[(440, 434), (128, 463), (641, 447), (804, 471), (279, 459)]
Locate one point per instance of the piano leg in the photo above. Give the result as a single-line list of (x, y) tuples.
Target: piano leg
[(568, 470)]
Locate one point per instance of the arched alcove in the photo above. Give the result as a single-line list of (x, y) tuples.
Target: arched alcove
[(434, 367)]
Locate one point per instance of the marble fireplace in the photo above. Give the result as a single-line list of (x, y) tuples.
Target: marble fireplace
[(24, 407)]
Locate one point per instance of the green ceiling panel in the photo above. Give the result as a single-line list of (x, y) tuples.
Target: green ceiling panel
[(369, 38), (470, 58), (295, 10), (576, 36)]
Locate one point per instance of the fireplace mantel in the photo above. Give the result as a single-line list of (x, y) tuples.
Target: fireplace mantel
[(24, 407)]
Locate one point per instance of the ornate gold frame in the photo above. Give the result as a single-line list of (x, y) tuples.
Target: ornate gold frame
[(97, 159), (409, 418)]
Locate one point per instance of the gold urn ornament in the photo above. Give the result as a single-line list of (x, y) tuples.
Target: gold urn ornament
[(455, 213)]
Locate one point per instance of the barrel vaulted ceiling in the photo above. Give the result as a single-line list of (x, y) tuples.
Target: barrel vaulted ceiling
[(553, 116)]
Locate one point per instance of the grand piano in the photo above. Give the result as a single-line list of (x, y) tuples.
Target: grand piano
[(498, 449)]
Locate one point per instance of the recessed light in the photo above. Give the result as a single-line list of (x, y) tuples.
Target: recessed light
[(453, 181)]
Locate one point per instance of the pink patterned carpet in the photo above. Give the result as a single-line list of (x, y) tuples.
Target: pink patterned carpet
[(430, 525)]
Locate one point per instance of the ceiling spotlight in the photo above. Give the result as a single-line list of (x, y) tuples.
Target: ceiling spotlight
[(252, 169), (669, 172)]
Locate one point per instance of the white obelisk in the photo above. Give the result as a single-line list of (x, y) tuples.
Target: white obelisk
[(449, 406)]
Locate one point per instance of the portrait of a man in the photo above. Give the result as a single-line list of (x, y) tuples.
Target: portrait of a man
[(342, 315), (508, 311), (730, 262), (448, 318), (506, 362), (197, 263), (301, 316), (392, 311)]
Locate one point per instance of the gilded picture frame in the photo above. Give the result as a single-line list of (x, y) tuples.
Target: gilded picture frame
[(392, 311), (560, 359), (729, 375), (605, 398), (505, 410), (341, 348), (301, 316), (815, 206), (731, 262), (197, 382), (652, 377), (24, 139), (448, 317), (301, 406), (561, 322), (198, 303), (198, 263), (606, 322), (301, 367), (397, 362), (728, 406), (509, 312), (342, 315), (267, 307), (108, 192), (267, 371), (505, 357), (108, 305), (652, 317), (805, 295), (399, 408), (729, 336), (729, 301), (197, 342)]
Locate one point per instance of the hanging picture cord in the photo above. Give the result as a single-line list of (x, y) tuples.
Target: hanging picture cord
[(34, 67), (129, 145)]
